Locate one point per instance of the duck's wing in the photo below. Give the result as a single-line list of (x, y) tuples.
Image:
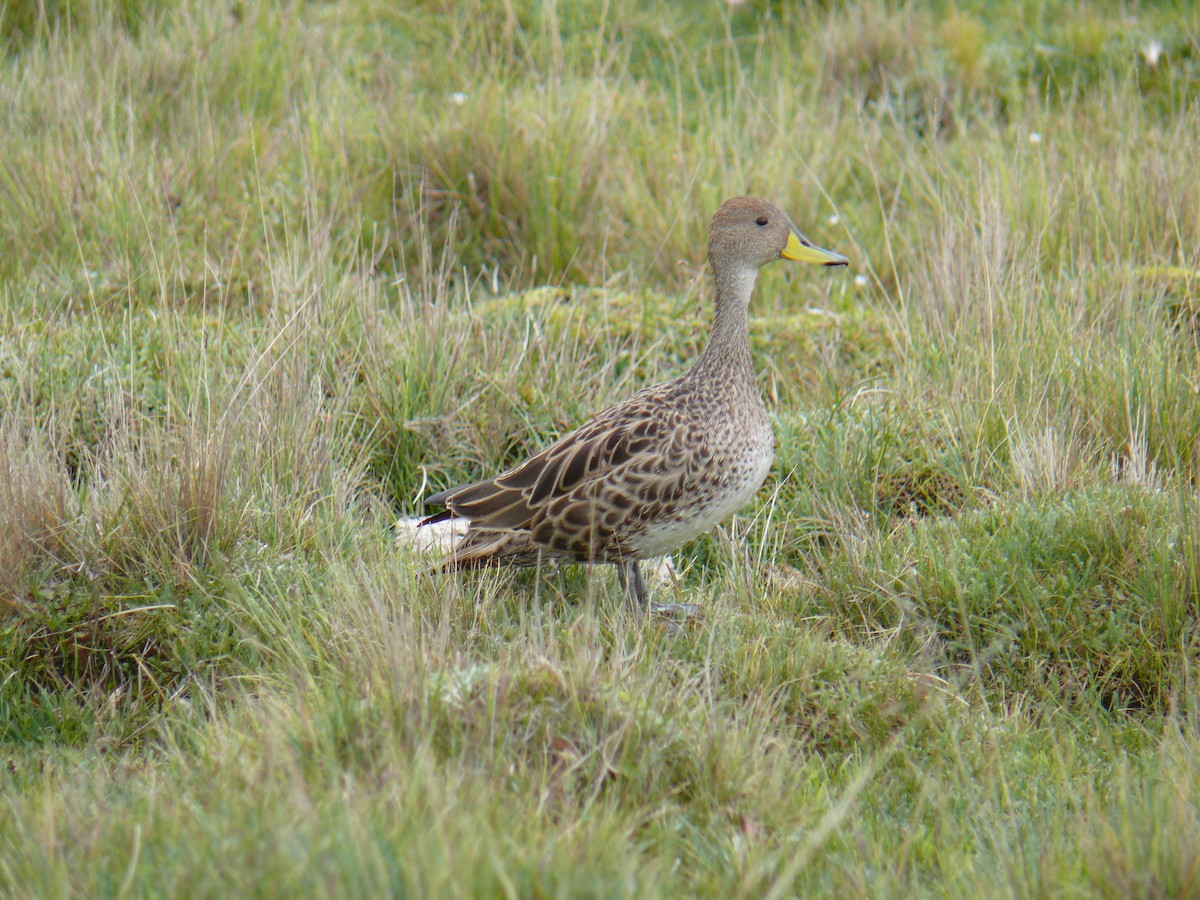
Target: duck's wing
[(624, 445)]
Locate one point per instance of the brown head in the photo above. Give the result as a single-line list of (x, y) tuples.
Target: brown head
[(749, 233)]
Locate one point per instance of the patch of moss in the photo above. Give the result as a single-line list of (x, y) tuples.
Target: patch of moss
[(859, 337)]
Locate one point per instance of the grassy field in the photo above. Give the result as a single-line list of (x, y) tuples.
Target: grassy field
[(272, 272)]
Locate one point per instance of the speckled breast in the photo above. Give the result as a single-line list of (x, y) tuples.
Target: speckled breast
[(720, 481)]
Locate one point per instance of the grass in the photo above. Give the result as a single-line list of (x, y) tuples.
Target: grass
[(272, 272)]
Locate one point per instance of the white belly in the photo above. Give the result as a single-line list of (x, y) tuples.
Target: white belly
[(697, 518)]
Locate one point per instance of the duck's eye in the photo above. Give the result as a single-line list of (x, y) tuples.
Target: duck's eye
[(761, 220)]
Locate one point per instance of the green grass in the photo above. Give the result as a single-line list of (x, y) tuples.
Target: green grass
[(272, 272)]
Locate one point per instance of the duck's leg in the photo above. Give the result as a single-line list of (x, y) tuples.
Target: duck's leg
[(633, 584), (638, 594)]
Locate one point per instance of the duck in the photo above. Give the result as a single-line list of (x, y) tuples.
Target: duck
[(660, 468)]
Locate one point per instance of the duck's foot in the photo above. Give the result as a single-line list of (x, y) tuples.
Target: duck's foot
[(676, 610), (674, 618), (672, 615)]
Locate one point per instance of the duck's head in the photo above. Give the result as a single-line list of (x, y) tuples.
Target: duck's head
[(748, 232)]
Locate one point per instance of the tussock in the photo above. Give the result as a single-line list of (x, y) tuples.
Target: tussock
[(38, 506)]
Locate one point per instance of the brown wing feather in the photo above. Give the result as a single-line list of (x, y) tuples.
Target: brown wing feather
[(521, 498), (481, 549)]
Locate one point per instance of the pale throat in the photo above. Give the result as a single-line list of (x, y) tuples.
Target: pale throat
[(728, 341)]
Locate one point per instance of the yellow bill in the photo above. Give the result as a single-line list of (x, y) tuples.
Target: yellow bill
[(802, 249)]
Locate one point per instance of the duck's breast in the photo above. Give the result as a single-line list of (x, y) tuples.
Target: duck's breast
[(719, 476)]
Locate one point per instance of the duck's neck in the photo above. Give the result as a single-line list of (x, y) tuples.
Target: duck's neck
[(729, 344)]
